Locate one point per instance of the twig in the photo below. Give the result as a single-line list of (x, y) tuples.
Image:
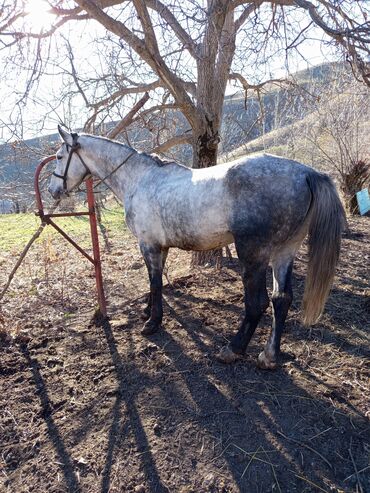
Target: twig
[(310, 482), (273, 396), (320, 433), (355, 468), (308, 447), (253, 454), (250, 461), (356, 473), (273, 469), (25, 250)]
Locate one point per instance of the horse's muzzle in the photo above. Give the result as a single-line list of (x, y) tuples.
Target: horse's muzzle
[(56, 193)]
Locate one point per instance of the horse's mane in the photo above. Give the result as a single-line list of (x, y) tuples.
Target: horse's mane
[(159, 161)]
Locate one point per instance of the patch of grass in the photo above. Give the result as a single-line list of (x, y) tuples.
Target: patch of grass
[(17, 229), (279, 150), (114, 219)]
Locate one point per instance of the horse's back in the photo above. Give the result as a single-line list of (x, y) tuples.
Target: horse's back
[(271, 198)]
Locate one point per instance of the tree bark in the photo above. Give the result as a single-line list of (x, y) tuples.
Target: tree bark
[(205, 147)]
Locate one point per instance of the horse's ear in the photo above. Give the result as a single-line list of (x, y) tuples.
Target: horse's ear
[(65, 136)]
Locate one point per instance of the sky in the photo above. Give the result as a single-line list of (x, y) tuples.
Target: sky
[(50, 87)]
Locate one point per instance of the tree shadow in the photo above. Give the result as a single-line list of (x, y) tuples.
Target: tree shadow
[(221, 428), (118, 432), (266, 430)]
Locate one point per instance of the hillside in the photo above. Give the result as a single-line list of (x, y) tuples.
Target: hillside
[(279, 141), (296, 140), (245, 128), (280, 106)]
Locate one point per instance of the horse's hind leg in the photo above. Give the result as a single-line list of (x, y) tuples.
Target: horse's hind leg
[(154, 258), (256, 301), (282, 297)]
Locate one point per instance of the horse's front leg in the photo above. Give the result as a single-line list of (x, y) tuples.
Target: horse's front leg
[(148, 309), (155, 258)]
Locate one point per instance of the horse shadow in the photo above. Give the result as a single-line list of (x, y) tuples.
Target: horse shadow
[(347, 310)]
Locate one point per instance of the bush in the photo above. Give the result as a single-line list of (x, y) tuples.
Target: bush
[(356, 177)]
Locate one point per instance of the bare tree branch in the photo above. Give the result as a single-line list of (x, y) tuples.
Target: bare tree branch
[(187, 41), (346, 37), (127, 120), (154, 60), (349, 33), (185, 138), (246, 13)]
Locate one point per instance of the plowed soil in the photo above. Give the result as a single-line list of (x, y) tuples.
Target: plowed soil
[(95, 407)]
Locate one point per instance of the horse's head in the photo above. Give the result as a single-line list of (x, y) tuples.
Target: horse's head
[(71, 169)]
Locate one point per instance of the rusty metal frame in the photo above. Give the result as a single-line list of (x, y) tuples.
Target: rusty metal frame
[(46, 218)]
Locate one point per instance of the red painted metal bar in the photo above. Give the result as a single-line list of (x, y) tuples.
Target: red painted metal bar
[(67, 214), (93, 229), (68, 238), (96, 249), (40, 205)]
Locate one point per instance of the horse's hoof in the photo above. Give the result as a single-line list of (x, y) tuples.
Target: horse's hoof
[(150, 328), (227, 355), (266, 363)]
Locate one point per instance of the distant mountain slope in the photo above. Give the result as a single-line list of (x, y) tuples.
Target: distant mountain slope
[(295, 140), (245, 127), (282, 106)]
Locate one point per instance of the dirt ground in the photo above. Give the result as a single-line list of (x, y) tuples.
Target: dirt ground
[(89, 407)]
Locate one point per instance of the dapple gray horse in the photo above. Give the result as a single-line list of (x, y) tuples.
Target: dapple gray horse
[(265, 204)]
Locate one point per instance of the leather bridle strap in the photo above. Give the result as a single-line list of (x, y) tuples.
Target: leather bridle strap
[(103, 180), (73, 149)]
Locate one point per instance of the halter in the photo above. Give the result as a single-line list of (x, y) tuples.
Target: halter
[(73, 149)]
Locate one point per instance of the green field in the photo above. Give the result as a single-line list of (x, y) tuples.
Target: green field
[(17, 229)]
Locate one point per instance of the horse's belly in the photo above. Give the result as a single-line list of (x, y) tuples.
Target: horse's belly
[(200, 242), (192, 223)]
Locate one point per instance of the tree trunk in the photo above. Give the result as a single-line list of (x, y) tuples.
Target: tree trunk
[(205, 147), (352, 205), (214, 62)]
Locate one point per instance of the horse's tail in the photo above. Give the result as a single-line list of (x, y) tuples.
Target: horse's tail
[(326, 222)]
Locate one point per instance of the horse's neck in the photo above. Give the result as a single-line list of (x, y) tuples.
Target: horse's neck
[(119, 166)]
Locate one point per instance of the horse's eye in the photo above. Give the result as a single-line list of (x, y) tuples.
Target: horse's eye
[(59, 157)]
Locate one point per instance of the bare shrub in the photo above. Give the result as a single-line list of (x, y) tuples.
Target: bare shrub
[(338, 131)]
